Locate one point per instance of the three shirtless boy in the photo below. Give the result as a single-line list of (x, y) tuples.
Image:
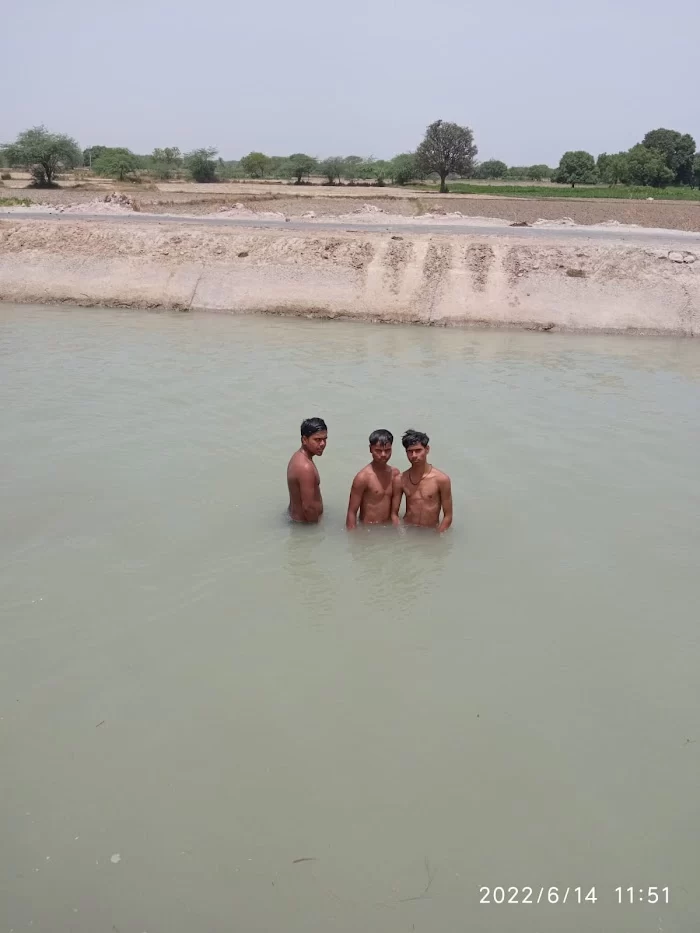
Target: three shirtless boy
[(378, 488)]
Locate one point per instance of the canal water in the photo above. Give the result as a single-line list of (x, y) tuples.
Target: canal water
[(213, 721)]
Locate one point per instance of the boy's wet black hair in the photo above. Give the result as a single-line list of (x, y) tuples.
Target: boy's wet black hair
[(412, 437), (312, 426), (381, 436)]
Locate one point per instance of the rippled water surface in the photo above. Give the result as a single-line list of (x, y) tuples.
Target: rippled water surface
[(211, 721)]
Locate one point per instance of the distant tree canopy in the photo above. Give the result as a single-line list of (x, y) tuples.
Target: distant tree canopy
[(403, 168), (447, 149), (228, 168), (612, 168), (376, 170), (576, 168), (91, 154), (115, 163), (492, 168), (171, 155), (200, 164), (44, 154), (255, 164), (678, 151), (300, 165), (332, 168), (277, 167), (644, 166), (538, 172), (165, 163), (663, 157), (353, 167)]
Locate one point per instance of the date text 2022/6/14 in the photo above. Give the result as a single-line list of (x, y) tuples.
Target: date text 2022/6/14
[(573, 894)]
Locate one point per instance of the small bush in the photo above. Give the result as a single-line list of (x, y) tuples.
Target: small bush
[(5, 176), (15, 202)]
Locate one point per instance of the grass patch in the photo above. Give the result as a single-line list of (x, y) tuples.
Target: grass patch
[(15, 202), (566, 191)]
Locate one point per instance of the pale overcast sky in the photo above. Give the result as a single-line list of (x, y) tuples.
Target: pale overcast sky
[(531, 79)]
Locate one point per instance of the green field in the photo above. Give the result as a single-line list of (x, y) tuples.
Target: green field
[(566, 191)]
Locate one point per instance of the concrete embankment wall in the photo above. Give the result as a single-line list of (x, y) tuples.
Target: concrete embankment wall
[(418, 278)]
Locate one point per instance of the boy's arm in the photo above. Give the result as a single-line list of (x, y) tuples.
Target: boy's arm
[(445, 487), (396, 495), (356, 492)]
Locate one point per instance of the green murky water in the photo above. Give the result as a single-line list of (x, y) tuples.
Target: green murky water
[(194, 695)]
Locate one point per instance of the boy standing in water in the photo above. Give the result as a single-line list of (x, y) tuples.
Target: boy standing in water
[(303, 481), (427, 489), (374, 486)]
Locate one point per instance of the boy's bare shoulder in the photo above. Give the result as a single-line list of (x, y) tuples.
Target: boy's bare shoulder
[(361, 476), (299, 463)]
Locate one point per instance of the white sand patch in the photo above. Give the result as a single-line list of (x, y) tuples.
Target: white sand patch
[(115, 203), (562, 222), (241, 212), (111, 204)]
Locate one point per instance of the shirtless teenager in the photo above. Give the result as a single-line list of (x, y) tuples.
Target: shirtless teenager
[(305, 502), (426, 488), (373, 487)]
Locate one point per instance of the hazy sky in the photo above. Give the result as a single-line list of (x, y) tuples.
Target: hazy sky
[(532, 79)]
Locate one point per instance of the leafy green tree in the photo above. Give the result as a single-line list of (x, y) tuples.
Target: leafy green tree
[(44, 154), (354, 167), (277, 167), (696, 171), (403, 168), (115, 163), (164, 163), (491, 168), (91, 154), (576, 168), (201, 165), (612, 168), (255, 164), (171, 155), (332, 168), (678, 150), (517, 171), (447, 149), (378, 170), (538, 172), (646, 166), (301, 164)]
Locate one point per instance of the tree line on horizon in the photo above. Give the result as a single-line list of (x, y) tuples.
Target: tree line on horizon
[(664, 157)]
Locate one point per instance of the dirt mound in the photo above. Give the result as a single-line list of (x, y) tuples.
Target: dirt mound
[(114, 203), (369, 209), (240, 211), (560, 222)]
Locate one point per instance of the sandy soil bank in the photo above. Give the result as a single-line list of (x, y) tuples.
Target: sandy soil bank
[(295, 202), (464, 279)]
